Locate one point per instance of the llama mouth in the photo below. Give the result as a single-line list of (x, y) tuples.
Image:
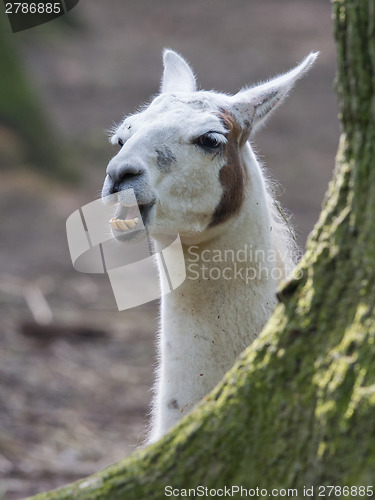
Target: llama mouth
[(123, 224), (127, 217)]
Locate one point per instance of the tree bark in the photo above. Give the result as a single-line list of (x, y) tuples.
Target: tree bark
[(298, 407)]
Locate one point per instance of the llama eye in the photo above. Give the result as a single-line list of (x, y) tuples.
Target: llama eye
[(209, 141), (120, 142)]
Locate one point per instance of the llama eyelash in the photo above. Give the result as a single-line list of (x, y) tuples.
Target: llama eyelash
[(218, 136), (210, 141)]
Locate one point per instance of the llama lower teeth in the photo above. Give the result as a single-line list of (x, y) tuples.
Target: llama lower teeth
[(123, 224)]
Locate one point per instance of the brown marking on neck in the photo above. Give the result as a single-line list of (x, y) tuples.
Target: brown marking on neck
[(233, 174)]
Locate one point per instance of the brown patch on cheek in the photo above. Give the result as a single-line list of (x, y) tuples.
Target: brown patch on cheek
[(232, 175)]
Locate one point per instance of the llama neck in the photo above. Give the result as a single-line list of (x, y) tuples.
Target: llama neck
[(223, 304)]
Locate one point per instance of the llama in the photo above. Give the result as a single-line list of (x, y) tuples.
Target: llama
[(188, 158)]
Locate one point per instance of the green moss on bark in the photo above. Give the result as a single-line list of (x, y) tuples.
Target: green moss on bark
[(298, 408)]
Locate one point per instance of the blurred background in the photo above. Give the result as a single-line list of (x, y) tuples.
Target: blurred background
[(76, 373)]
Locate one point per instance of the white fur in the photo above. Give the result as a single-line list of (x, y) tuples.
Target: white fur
[(205, 323)]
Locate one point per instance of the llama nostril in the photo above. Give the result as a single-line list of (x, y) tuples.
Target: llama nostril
[(115, 187), (123, 178), (130, 175), (126, 179)]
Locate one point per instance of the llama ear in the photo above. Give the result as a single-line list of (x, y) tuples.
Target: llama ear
[(254, 105), (177, 76)]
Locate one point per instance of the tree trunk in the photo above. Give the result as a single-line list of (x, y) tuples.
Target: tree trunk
[(298, 408)]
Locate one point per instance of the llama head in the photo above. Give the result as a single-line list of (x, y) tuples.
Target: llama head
[(182, 154)]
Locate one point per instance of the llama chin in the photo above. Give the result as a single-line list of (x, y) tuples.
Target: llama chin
[(188, 158)]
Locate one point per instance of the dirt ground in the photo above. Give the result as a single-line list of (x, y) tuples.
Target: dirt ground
[(74, 395)]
